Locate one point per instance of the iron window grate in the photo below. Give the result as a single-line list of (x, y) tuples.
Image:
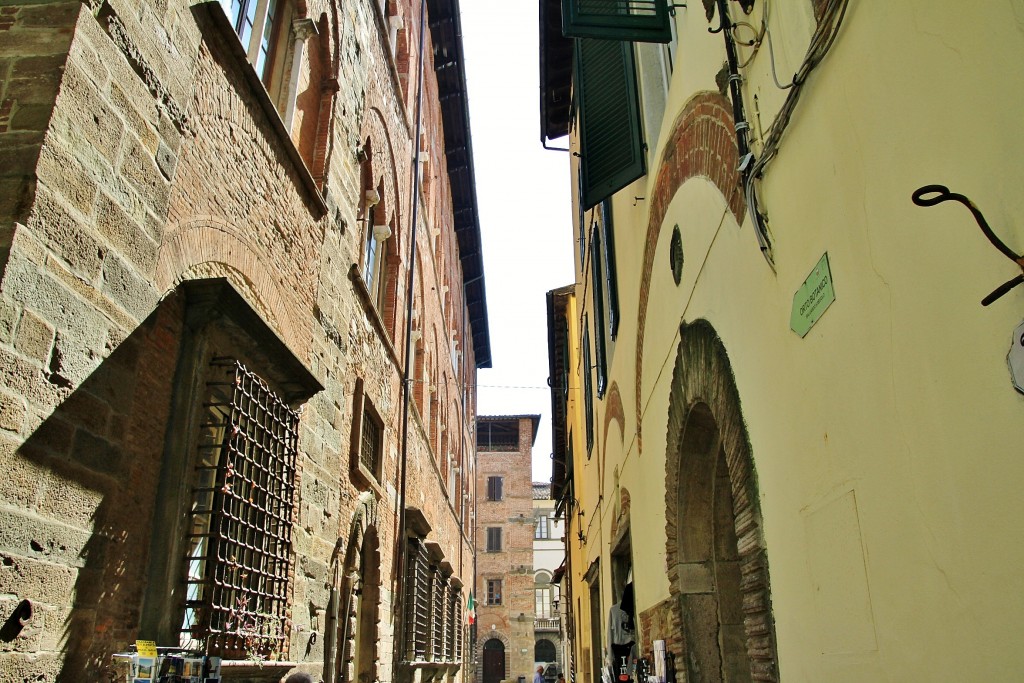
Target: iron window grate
[(369, 451), (417, 605), (239, 546)]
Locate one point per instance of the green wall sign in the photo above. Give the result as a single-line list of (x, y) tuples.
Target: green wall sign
[(814, 296)]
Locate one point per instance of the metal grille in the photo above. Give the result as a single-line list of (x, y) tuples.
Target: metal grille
[(369, 451), (458, 626), (437, 615), (417, 603), (239, 546), (446, 616)]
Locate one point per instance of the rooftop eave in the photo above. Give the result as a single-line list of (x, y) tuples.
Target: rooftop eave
[(449, 68)]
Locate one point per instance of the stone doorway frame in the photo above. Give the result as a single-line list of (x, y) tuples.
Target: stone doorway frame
[(706, 429)]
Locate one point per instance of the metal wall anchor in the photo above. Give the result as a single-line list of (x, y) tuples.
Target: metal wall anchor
[(930, 195)]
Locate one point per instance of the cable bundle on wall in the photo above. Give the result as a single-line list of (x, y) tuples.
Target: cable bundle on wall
[(824, 36)]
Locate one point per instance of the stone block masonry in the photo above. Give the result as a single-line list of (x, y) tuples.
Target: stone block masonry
[(141, 153)]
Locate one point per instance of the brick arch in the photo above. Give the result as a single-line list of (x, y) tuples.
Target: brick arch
[(209, 240), (613, 411), (723, 526), (702, 144), (383, 165), (327, 58)]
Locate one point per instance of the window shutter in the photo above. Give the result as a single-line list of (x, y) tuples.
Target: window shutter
[(611, 141), (644, 21), (498, 481), (609, 268)]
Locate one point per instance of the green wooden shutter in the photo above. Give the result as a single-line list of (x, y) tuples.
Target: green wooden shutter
[(611, 141), (644, 21)]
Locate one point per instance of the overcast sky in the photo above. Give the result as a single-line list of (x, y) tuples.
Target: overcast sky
[(525, 215)]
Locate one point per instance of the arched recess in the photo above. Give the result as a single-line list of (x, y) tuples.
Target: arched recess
[(359, 584), (379, 173), (702, 144), (494, 656), (715, 549), (544, 651)]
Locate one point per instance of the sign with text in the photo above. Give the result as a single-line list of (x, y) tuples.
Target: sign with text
[(814, 296)]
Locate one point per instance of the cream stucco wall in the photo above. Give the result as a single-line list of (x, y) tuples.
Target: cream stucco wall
[(886, 441)]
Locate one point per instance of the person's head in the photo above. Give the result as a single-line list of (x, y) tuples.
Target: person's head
[(561, 676), (540, 670), (299, 678)]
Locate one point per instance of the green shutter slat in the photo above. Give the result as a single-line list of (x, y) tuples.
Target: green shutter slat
[(611, 142), (645, 21)]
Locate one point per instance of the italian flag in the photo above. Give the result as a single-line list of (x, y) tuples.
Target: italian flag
[(471, 609)]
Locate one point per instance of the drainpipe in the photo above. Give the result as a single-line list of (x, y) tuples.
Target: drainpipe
[(398, 598)]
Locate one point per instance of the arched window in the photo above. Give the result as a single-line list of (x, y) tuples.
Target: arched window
[(544, 651)]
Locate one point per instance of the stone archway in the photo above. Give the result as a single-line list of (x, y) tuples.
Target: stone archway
[(358, 629), (718, 567)]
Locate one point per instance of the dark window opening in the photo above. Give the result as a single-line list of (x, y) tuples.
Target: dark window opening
[(238, 553)]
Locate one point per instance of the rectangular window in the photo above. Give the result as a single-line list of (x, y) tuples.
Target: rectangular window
[(255, 23), (611, 279), (369, 449), (238, 556), (367, 446), (494, 539), (494, 591), (543, 530), (417, 602), (588, 391), (494, 488), (597, 282), (542, 602)]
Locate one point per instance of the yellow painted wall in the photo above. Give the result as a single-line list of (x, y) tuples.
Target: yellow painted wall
[(887, 441)]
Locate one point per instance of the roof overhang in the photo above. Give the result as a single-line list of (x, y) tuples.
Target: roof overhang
[(555, 72), (449, 68)]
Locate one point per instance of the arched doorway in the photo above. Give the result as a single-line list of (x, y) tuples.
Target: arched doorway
[(718, 565), (494, 661), (544, 651)]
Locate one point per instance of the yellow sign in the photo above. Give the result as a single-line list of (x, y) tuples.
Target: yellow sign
[(146, 648)]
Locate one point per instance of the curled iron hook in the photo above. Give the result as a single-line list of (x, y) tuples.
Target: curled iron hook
[(932, 195)]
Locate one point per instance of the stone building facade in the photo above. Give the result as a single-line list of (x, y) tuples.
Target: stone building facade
[(505, 530), (548, 557), (209, 215)]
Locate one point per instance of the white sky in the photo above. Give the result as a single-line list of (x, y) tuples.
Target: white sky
[(525, 215)]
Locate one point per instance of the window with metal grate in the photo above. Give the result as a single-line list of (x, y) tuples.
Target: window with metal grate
[(417, 602), (238, 555)]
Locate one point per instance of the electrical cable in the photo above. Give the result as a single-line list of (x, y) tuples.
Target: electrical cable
[(821, 42)]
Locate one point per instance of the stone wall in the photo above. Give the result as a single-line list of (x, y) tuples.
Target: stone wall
[(137, 154)]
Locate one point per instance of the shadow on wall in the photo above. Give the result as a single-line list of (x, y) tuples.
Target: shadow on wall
[(77, 546)]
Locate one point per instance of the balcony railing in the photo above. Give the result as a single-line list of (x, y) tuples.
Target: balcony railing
[(545, 624)]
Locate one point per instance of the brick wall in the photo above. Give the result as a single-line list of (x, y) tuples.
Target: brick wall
[(514, 565), (161, 165)]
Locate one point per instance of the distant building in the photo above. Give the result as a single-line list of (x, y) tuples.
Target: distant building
[(548, 554), (504, 538)]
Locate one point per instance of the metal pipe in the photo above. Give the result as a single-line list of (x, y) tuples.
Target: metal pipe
[(398, 602)]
